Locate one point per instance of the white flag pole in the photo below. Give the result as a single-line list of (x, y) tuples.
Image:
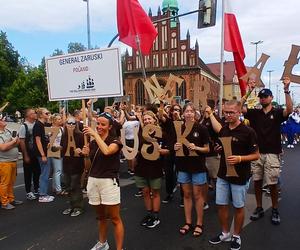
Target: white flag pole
[(222, 61)]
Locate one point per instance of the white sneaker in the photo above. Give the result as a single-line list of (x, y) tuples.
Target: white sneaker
[(288, 146), (292, 146), (30, 196), (101, 246), (45, 199), (205, 206)]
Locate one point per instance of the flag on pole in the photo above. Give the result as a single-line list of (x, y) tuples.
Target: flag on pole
[(233, 43), (132, 22)]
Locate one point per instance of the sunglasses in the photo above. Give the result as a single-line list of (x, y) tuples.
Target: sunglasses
[(229, 113), (178, 110), (106, 115), (71, 123)]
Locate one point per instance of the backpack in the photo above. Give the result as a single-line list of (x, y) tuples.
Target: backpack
[(29, 140)]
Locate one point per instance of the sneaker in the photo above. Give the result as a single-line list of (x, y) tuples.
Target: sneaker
[(275, 218), (76, 212), (30, 196), (257, 214), (181, 203), (205, 206), (8, 206), (288, 146), (153, 222), (139, 194), (67, 211), (16, 203), (168, 199), (145, 220), (101, 246), (292, 146), (265, 188), (235, 243), (222, 237), (130, 172), (46, 198)]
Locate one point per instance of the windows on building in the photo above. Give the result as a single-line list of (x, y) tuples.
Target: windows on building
[(181, 91), (139, 92)]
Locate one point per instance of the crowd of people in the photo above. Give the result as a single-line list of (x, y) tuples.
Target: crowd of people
[(194, 148)]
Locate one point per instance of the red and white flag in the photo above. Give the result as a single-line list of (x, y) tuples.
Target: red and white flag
[(233, 43), (133, 21)]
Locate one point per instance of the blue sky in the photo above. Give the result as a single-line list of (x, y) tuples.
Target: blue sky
[(37, 27)]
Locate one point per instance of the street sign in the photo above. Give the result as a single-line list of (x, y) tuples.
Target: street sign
[(85, 75)]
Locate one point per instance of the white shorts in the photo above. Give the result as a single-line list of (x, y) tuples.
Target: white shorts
[(105, 191)]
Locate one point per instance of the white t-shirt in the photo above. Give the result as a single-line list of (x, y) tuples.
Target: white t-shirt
[(128, 126)]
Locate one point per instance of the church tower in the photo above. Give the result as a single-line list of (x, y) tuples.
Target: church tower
[(172, 7)]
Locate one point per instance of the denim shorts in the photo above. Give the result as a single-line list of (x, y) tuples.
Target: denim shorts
[(226, 191), (195, 178)]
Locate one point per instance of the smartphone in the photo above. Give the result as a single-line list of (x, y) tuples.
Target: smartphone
[(14, 134)]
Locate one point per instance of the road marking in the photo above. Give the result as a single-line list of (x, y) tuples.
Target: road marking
[(18, 186)]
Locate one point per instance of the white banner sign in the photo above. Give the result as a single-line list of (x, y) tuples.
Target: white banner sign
[(85, 75)]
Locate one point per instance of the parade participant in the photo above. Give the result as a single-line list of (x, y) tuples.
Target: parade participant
[(31, 164), (212, 159), (244, 150), (57, 163), (192, 170), (167, 125), (103, 186), (148, 173), (266, 123), (8, 166), (128, 126), (40, 148), (73, 168)]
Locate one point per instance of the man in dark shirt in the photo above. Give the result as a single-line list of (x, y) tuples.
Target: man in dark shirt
[(40, 147), (266, 123), (244, 150)]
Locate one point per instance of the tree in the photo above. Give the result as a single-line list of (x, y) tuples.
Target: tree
[(74, 47), (9, 64)]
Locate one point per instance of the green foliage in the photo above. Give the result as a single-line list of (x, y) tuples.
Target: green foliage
[(75, 47), (9, 64)]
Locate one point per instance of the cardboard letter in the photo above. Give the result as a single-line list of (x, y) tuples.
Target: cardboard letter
[(255, 71), (181, 138), (290, 64), (146, 135), (53, 132), (130, 155), (201, 89), (169, 87), (71, 142), (154, 90), (226, 142)]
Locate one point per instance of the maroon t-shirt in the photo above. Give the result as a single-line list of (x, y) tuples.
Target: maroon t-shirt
[(105, 166)]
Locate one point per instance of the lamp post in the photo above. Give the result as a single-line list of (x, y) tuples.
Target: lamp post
[(256, 43), (270, 72), (88, 22)]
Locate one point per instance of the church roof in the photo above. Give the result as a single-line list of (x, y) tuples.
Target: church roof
[(171, 4)]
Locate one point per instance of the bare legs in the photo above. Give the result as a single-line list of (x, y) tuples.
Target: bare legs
[(110, 212)]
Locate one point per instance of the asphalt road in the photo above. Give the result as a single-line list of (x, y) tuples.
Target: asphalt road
[(36, 225)]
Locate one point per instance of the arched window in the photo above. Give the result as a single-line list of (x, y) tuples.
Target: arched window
[(139, 93), (181, 91)]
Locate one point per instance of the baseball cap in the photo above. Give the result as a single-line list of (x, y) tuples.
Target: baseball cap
[(265, 92)]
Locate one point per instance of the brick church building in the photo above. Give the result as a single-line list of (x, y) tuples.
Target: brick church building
[(170, 54)]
